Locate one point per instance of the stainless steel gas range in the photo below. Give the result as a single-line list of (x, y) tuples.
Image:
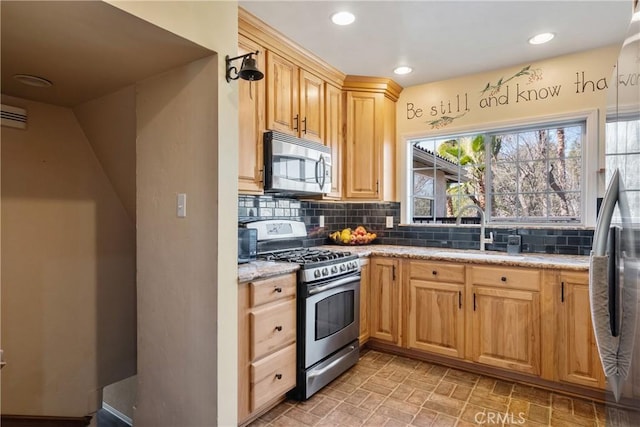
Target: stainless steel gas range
[(328, 303)]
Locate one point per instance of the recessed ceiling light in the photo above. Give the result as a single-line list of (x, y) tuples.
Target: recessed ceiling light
[(403, 70), (343, 18), (30, 80), (541, 38)]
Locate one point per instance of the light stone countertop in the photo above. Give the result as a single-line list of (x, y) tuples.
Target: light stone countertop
[(565, 262), (263, 269)]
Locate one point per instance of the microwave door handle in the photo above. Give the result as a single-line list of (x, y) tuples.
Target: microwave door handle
[(318, 163), (324, 171)]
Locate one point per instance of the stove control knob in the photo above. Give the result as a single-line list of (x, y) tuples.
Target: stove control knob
[(334, 269), (354, 264), (343, 267), (316, 273), (325, 271)]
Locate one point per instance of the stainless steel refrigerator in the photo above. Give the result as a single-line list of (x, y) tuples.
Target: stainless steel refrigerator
[(614, 286)]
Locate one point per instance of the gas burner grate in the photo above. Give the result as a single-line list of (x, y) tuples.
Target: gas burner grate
[(305, 256)]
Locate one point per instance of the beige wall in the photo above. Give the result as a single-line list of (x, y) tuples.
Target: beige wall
[(68, 264), (109, 124), (569, 85), (176, 268), (193, 277)]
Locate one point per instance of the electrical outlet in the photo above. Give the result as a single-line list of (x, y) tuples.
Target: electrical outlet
[(321, 221), (389, 222)]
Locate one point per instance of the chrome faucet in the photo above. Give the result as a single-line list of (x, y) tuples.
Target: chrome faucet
[(483, 239)]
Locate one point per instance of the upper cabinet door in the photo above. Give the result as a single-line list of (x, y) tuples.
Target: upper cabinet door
[(333, 137), (251, 120), (311, 107), (364, 121), (282, 95)]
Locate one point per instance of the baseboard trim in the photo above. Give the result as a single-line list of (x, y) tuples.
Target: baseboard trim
[(43, 421), (113, 411)]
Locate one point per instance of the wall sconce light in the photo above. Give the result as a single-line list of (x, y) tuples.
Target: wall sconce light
[(248, 69)]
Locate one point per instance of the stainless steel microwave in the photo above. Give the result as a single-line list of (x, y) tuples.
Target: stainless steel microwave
[(295, 166)]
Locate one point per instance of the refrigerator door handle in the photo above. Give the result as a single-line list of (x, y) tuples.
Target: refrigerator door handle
[(604, 218)]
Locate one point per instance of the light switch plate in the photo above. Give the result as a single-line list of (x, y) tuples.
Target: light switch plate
[(389, 223), (181, 205), (321, 221)]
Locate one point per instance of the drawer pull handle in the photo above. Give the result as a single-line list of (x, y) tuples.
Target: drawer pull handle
[(278, 376), (278, 328), (503, 278), (434, 272), (278, 290)]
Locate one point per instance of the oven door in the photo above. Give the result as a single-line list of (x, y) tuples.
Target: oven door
[(332, 317)]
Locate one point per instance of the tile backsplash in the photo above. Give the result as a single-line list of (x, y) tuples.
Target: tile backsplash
[(339, 215)]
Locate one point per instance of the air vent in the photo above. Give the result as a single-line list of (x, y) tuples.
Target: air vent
[(14, 117)]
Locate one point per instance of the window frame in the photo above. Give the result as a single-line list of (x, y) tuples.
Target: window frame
[(591, 158), (614, 117)]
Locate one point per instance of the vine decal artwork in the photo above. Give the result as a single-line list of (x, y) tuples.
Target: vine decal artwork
[(444, 121), (534, 75), (511, 91)]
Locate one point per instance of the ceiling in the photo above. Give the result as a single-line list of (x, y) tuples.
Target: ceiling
[(443, 39), (86, 48)]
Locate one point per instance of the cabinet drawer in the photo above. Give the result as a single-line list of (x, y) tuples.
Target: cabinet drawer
[(513, 278), (273, 376), (437, 271), (273, 289), (272, 327)]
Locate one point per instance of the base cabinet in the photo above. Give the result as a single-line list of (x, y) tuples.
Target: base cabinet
[(364, 301), (436, 308), (266, 343), (505, 317), (385, 300), (579, 361)]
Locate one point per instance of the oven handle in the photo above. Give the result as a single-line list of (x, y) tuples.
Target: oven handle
[(340, 282), (332, 364)]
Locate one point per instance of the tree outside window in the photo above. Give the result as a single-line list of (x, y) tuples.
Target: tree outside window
[(524, 175)]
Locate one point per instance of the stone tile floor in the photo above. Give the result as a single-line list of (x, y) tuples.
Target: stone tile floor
[(388, 390)]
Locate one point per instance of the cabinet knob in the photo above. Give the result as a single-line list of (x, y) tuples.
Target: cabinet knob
[(278, 290), (278, 328), (503, 278), (278, 376), (434, 272)]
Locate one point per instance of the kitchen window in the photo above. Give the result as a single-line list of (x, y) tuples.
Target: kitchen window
[(623, 152), (525, 174)]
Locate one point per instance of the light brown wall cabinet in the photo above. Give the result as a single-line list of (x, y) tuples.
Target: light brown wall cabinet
[(266, 343), (295, 99), (385, 300), (369, 160), (436, 308), (579, 361), (505, 321), (364, 301), (251, 111), (333, 137)]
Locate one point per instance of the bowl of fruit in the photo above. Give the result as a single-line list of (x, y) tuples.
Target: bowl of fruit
[(358, 236)]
